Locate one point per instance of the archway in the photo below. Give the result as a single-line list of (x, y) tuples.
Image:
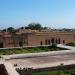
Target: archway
[(20, 44), (56, 41), (1, 45), (49, 41), (59, 41), (63, 41), (41, 43), (52, 40), (45, 42)]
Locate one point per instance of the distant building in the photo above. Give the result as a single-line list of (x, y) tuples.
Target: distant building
[(29, 37)]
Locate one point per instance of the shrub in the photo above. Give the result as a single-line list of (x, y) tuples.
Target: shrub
[(71, 44), (0, 57), (54, 45)]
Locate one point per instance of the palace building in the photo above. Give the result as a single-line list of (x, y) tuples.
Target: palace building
[(29, 37)]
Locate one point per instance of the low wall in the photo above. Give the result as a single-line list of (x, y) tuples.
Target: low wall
[(30, 71), (3, 71), (7, 69), (10, 69)]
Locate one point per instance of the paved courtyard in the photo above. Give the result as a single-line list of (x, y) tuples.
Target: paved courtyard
[(43, 60)]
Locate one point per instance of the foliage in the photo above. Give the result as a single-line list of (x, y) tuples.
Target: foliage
[(21, 28), (54, 45), (0, 56), (71, 44), (10, 29), (4, 30), (35, 26), (28, 50), (58, 72)]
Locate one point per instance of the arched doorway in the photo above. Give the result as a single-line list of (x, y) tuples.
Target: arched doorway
[(45, 42), (56, 41), (41, 43), (59, 41), (52, 40), (1, 45), (49, 41), (63, 41), (20, 43)]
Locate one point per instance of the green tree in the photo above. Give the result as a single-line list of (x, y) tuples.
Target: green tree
[(21, 28), (45, 28), (34, 26), (4, 30), (10, 29)]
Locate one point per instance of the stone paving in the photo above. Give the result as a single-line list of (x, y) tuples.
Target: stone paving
[(43, 59), (36, 61)]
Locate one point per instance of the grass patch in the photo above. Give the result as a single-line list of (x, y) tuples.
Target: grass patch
[(28, 50), (59, 72)]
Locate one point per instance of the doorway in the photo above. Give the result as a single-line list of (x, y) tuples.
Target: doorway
[(52, 40), (20, 44), (1, 45)]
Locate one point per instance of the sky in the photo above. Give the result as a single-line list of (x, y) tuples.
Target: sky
[(50, 13)]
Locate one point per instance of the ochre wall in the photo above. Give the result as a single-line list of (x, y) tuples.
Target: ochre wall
[(35, 38)]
